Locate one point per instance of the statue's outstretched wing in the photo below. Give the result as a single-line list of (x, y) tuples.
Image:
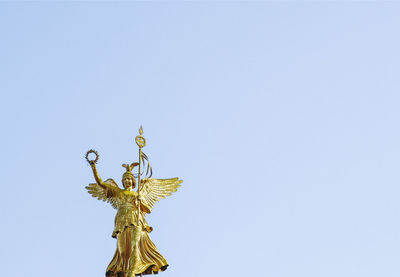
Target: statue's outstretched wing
[(152, 190), (107, 193)]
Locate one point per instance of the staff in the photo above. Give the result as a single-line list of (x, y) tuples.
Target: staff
[(141, 142)]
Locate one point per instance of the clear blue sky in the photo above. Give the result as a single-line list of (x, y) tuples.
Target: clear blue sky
[(281, 118)]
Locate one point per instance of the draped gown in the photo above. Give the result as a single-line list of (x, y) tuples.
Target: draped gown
[(136, 253)]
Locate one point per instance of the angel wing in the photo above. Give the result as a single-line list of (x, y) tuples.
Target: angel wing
[(109, 193), (152, 190)]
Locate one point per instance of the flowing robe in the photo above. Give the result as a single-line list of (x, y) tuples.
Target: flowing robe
[(136, 254)]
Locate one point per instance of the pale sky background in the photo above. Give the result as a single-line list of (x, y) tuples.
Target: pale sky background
[(281, 118)]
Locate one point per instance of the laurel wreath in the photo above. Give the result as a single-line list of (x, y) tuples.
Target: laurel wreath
[(94, 152)]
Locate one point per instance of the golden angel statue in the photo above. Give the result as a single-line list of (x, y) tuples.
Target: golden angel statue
[(136, 254)]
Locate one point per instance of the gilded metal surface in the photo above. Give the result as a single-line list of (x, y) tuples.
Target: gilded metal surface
[(136, 254)]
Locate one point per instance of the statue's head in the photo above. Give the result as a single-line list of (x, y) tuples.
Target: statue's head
[(128, 180)]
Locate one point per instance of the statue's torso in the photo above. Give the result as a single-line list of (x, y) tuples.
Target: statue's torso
[(127, 211)]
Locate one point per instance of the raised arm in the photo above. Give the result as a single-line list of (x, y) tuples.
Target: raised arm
[(96, 175), (106, 191)]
